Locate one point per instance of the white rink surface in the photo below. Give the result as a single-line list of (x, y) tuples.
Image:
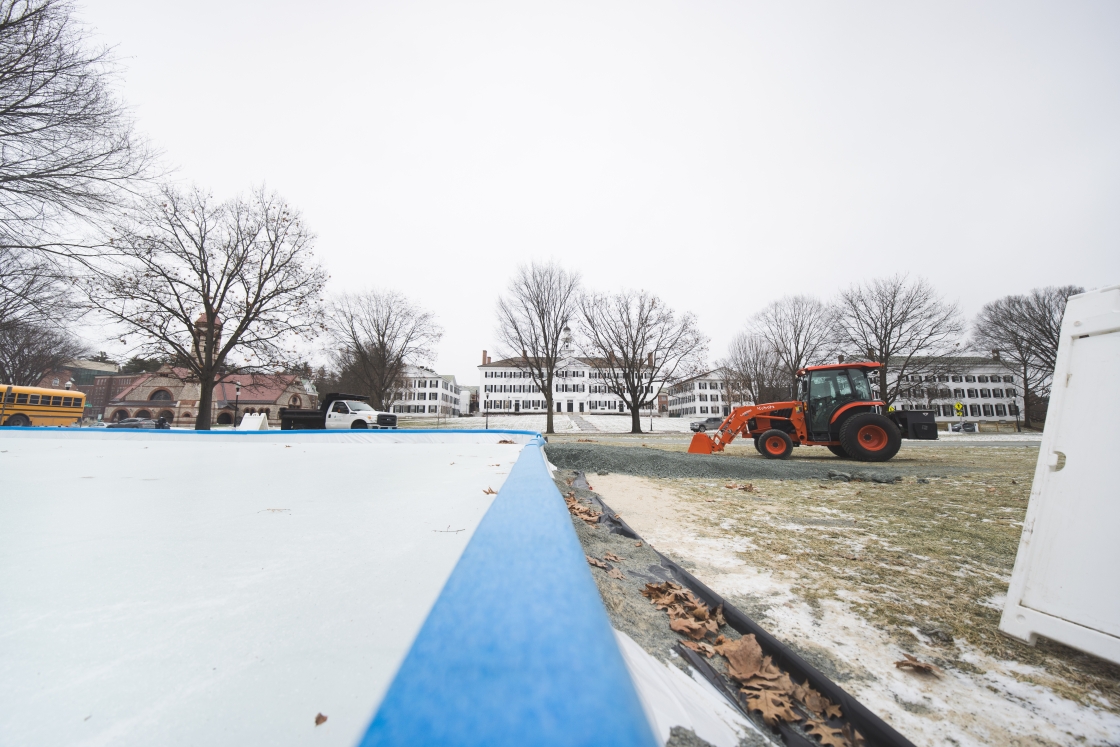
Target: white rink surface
[(220, 589)]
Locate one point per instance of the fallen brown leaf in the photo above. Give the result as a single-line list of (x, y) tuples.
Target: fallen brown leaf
[(918, 666), (774, 706), (320, 719), (569, 481), (612, 557), (744, 657), (615, 573), (637, 544), (506, 441), (815, 702), (828, 735), (490, 491), (700, 647), (596, 562), (580, 510), (585, 440)]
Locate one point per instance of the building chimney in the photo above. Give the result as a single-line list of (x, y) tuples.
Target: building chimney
[(840, 358), (485, 360), (650, 359), (995, 355), (488, 359)]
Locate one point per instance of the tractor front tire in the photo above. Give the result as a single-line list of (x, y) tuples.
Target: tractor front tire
[(839, 451), (758, 443), (775, 444), (870, 437)]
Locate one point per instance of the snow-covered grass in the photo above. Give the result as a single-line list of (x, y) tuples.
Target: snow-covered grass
[(853, 575), (562, 423)]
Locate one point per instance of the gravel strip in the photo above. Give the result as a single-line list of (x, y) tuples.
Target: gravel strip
[(592, 458)]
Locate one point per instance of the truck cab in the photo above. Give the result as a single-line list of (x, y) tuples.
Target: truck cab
[(349, 413), (338, 411)]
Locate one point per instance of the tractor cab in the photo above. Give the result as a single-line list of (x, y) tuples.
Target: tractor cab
[(829, 391)]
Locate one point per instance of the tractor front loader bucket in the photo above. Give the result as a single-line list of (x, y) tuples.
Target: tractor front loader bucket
[(701, 444)]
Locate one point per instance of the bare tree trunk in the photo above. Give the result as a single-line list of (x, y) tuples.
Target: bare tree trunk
[(548, 403), (635, 420), (205, 403)]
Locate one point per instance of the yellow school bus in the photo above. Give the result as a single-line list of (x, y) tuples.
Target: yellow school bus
[(34, 405)]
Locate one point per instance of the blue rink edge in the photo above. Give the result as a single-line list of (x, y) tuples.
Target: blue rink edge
[(518, 649)]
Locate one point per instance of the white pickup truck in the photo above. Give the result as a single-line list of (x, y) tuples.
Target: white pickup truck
[(350, 411)]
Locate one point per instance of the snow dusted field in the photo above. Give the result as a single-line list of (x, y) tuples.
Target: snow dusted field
[(562, 423), (854, 575)]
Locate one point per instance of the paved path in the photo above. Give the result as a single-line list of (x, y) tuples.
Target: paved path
[(581, 423)]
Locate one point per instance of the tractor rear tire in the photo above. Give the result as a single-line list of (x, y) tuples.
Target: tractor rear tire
[(839, 451), (870, 437), (775, 444), (758, 443)]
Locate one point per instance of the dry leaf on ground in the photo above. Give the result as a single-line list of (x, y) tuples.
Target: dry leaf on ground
[(319, 719), (506, 441), (490, 491), (596, 562), (637, 544), (612, 557), (774, 706), (918, 666), (828, 735), (615, 573), (744, 657), (700, 647), (581, 511), (585, 440)]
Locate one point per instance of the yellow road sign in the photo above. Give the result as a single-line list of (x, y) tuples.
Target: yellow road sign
[(959, 408)]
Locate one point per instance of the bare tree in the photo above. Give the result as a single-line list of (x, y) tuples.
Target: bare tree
[(199, 281), (539, 301), (29, 352), (67, 148), (1025, 329), (752, 362), (634, 342), (798, 330), (379, 334), (900, 323), (32, 291)]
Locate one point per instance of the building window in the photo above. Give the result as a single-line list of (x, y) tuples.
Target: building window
[(1001, 410), (958, 393), (997, 393), (295, 401), (958, 378), (167, 415), (1013, 409), (160, 395), (1008, 379), (985, 394), (974, 410), (982, 379), (143, 414), (1010, 393), (948, 411), (970, 379), (972, 394), (988, 411)]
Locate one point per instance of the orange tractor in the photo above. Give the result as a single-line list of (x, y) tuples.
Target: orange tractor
[(834, 408)]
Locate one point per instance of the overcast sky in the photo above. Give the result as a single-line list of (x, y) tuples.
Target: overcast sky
[(720, 155)]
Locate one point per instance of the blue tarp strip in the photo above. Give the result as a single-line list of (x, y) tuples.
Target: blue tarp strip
[(518, 649)]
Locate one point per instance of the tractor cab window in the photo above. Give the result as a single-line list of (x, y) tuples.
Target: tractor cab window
[(830, 389), (860, 385)]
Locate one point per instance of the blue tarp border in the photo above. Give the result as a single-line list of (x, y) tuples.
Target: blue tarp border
[(518, 649)]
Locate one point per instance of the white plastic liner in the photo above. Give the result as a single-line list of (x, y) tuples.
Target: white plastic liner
[(179, 588), (672, 698)]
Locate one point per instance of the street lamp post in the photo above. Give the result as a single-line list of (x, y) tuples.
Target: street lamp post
[(236, 401)]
